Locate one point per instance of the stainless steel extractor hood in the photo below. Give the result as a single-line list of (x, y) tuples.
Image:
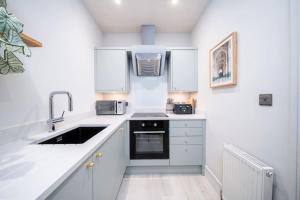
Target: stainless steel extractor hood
[(148, 64), (148, 59)]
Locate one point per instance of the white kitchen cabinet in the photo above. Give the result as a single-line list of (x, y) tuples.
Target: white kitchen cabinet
[(187, 140), (111, 70), (109, 167), (100, 176), (183, 70), (78, 186), (186, 155), (186, 123), (186, 131)]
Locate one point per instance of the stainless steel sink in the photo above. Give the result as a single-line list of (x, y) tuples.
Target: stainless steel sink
[(76, 136)]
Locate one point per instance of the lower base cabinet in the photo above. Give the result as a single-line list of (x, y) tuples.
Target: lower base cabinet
[(187, 142), (109, 167), (76, 187), (186, 155), (100, 177)]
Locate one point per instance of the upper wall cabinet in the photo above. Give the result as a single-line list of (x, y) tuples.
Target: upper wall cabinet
[(111, 70), (183, 70)]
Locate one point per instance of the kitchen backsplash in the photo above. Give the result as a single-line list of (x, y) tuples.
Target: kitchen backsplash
[(178, 97)]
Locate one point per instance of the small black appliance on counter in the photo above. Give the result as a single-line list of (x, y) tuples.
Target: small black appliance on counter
[(183, 109)]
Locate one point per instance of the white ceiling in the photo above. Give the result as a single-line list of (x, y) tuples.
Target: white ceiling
[(131, 14)]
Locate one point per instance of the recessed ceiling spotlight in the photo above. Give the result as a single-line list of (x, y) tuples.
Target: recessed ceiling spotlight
[(118, 2), (175, 2)]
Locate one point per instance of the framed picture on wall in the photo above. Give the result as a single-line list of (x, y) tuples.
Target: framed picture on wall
[(223, 62)]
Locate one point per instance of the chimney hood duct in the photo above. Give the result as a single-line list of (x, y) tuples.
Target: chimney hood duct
[(148, 34), (148, 59)]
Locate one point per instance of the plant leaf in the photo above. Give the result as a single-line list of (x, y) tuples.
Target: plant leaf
[(10, 28), (14, 63), (9, 20), (4, 67), (10, 63), (16, 44), (3, 3)]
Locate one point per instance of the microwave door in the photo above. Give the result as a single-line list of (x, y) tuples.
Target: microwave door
[(108, 108)]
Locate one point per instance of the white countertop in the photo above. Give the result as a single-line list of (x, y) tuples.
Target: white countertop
[(32, 171)]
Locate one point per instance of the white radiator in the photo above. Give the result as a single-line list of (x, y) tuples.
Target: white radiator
[(245, 177)]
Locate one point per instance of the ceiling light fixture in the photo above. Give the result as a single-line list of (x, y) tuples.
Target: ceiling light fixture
[(175, 2), (118, 2)]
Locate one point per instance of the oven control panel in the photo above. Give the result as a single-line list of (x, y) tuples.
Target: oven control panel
[(149, 124)]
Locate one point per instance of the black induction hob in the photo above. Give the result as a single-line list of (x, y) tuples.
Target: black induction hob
[(138, 115)]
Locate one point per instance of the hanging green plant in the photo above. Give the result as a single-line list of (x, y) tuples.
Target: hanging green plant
[(11, 42), (3, 4)]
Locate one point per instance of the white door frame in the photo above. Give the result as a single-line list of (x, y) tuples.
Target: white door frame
[(295, 68), (294, 89), (298, 142), (298, 132)]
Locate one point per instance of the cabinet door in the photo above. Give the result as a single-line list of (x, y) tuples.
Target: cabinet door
[(122, 161), (183, 70), (77, 187), (186, 154), (180, 132), (186, 123), (103, 177), (194, 140), (109, 167), (111, 70)]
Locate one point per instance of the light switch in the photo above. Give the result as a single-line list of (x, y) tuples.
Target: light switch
[(265, 100)]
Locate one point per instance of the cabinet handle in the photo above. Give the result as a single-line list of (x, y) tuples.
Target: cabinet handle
[(99, 155), (185, 142), (90, 165)]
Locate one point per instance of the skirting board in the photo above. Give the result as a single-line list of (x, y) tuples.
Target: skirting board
[(212, 178), (163, 170)]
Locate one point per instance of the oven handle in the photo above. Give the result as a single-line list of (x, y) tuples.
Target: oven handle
[(143, 132)]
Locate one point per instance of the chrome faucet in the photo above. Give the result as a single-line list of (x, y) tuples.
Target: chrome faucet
[(52, 121)]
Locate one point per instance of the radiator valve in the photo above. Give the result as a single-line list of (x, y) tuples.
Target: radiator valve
[(269, 174)]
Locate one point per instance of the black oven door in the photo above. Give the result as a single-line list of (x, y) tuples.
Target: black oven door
[(149, 144)]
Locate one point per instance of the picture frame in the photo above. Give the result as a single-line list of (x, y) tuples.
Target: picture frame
[(223, 62)]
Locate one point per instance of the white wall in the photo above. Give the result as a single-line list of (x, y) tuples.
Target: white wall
[(146, 93), (65, 62), (234, 115)]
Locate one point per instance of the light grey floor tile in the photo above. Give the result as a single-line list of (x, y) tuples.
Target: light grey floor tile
[(166, 187)]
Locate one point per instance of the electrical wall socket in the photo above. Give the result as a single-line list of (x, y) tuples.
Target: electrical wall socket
[(265, 99)]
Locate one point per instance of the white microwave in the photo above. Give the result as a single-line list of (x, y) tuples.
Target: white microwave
[(111, 107)]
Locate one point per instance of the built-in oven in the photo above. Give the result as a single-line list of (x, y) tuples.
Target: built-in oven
[(149, 139)]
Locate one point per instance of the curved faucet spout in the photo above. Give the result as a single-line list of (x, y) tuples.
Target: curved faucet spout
[(52, 120)]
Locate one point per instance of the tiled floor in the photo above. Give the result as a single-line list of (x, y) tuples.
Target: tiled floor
[(166, 187)]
